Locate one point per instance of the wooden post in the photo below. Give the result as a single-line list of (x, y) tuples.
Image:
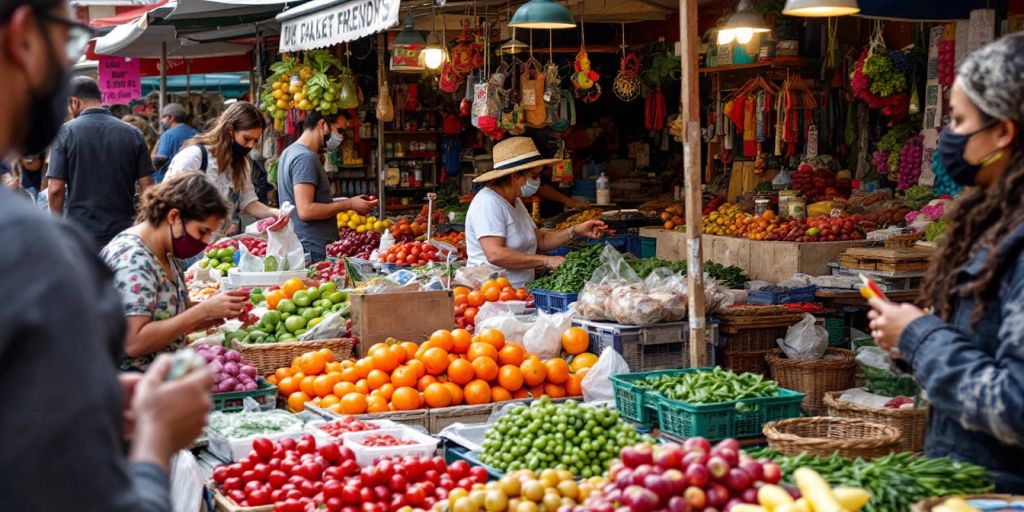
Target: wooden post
[(382, 48), (163, 79), (690, 110)]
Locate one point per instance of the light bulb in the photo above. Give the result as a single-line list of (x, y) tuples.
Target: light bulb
[(725, 36), (433, 57), (744, 35)]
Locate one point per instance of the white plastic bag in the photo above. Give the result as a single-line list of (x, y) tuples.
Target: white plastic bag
[(597, 384), (806, 340), (544, 338), (282, 244), (494, 315), (334, 325), (187, 482)]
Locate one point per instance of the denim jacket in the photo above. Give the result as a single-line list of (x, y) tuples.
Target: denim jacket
[(974, 374)]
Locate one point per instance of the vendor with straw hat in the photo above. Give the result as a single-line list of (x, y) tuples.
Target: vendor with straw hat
[(499, 229)]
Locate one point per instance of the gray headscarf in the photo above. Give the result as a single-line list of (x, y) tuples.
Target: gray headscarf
[(993, 78)]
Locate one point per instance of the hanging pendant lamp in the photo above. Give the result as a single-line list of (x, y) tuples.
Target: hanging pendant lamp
[(409, 37), (820, 8), (742, 25), (513, 46), (544, 14)]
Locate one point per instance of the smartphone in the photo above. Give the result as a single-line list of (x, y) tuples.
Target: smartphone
[(870, 289), (184, 361)]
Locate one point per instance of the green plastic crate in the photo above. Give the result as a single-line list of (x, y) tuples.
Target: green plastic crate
[(265, 395), (836, 327), (648, 246), (725, 420), (636, 403)]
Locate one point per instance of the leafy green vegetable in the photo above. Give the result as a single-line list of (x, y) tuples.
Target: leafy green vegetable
[(729, 277), (918, 196), (246, 424), (935, 230), (573, 273)]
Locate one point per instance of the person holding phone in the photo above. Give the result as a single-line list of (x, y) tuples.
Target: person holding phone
[(966, 348), (177, 220)]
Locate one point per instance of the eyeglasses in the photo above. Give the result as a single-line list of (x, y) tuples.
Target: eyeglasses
[(79, 34)]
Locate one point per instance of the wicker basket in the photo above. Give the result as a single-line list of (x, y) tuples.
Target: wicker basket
[(823, 436), (928, 504), (814, 377), (747, 340), (912, 422), (267, 357)]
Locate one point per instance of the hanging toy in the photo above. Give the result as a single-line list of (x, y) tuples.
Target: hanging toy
[(552, 84), (584, 77), (627, 82)]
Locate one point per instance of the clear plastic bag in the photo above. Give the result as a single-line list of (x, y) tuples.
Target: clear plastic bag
[(348, 94), (597, 384), (616, 293), (333, 326), (544, 337), (806, 340), (494, 315), (284, 250)]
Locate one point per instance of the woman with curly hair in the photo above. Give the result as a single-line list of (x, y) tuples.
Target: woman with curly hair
[(966, 349)]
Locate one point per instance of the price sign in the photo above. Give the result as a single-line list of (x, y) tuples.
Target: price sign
[(119, 80)]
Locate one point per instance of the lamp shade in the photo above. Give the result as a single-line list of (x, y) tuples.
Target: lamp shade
[(434, 54), (409, 37), (542, 14), (820, 8), (746, 18), (513, 46)]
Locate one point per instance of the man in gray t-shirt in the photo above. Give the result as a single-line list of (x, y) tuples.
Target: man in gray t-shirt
[(302, 180)]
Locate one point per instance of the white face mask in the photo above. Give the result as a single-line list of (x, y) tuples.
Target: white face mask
[(530, 187), (334, 142)]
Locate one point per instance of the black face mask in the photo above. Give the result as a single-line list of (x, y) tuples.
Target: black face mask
[(47, 109), (239, 151), (951, 151)]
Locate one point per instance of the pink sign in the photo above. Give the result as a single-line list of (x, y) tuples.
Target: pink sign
[(119, 80)]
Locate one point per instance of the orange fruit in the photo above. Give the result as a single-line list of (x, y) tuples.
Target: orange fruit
[(443, 338), (477, 350), (485, 369), (424, 347), (307, 387), (376, 404), (461, 371), (574, 386), (425, 381), (351, 375), (492, 294), (335, 408), (297, 401), (281, 373), (291, 286), (417, 366), (326, 354), (437, 395), (274, 297), (554, 391), (456, 391), (362, 387), (353, 403), (385, 360), (507, 294), (461, 339), (406, 399), (459, 300), (329, 400), (403, 376), (295, 364), (335, 367), (523, 294), (488, 284), (435, 360), (492, 337), (510, 377), (558, 370), (287, 386), (363, 366), (537, 391), (323, 385), (343, 388), (475, 299), (386, 390), (500, 394), (575, 340), (511, 353), (460, 290), (503, 282), (376, 379), (410, 349), (271, 379), (534, 372), (582, 361), (312, 363), (521, 393), (398, 352), (477, 392)]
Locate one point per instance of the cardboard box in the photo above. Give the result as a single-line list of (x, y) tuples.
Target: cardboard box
[(406, 316)]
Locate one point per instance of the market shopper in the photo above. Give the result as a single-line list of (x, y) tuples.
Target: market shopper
[(31, 170), (221, 153), (62, 441), (968, 352), (499, 229), (96, 162), (174, 121), (302, 180), (177, 220)]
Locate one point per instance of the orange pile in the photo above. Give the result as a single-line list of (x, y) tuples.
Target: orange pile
[(451, 368), (467, 301)]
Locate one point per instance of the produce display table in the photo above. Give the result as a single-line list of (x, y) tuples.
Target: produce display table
[(853, 297)]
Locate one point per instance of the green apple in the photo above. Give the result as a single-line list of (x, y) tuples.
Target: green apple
[(302, 299)]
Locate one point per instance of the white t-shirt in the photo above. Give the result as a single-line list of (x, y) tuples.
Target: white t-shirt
[(490, 215), (191, 159)]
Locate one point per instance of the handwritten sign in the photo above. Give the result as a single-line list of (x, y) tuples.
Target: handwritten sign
[(119, 80), (346, 21)]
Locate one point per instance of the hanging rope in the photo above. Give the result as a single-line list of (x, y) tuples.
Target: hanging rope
[(627, 82)]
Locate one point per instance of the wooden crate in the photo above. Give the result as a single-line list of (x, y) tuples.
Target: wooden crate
[(405, 316), (748, 339), (897, 259)]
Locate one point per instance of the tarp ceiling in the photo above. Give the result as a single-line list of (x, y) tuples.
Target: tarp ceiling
[(141, 39), (125, 17)]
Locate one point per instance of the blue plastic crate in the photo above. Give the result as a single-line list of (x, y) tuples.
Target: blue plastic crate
[(633, 245), (586, 188), (662, 346), (561, 251), (619, 242), (648, 247), (553, 302), (793, 295)]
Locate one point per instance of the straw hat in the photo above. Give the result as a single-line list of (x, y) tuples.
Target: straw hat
[(513, 155)]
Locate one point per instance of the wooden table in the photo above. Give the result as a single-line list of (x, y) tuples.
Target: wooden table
[(854, 298)]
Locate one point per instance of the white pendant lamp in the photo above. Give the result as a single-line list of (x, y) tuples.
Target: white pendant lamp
[(742, 25), (820, 8)]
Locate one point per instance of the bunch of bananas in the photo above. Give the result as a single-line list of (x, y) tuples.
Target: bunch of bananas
[(306, 85)]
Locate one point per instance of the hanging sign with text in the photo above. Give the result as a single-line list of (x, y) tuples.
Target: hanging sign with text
[(119, 80), (333, 24)]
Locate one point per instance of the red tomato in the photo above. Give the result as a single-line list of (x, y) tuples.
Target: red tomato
[(410, 259)]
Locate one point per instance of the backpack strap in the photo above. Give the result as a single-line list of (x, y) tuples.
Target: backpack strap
[(206, 157)]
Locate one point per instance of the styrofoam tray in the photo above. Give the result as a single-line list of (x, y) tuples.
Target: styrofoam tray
[(238, 279), (366, 455)]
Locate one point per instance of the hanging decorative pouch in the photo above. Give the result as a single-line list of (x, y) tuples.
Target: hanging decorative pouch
[(533, 95), (512, 120), (348, 93), (627, 81), (463, 52), (480, 105), (385, 109), (561, 171), (449, 81), (552, 82), (564, 113)]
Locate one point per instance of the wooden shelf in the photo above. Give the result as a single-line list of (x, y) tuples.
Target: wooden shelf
[(353, 166), (409, 189), (419, 157), (755, 66), (415, 132)]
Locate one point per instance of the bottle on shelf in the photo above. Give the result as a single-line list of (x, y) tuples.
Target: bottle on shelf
[(604, 191)]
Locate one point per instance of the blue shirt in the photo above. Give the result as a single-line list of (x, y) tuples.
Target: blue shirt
[(170, 142)]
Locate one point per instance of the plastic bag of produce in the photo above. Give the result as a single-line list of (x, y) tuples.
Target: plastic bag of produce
[(669, 289), (881, 379), (187, 482), (597, 300), (544, 338), (331, 327), (806, 340), (497, 315), (284, 250), (597, 384)]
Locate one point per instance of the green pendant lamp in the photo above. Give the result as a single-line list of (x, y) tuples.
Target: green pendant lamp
[(542, 14), (820, 8), (409, 37), (742, 25)]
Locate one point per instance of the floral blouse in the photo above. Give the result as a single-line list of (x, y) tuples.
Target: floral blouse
[(145, 288)]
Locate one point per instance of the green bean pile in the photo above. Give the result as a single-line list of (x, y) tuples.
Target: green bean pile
[(712, 387)]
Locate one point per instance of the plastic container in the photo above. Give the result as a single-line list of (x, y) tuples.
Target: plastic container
[(604, 190), (231, 449), (232, 401), (658, 347), (424, 445), (237, 279), (636, 403), (648, 247), (553, 302), (386, 242)]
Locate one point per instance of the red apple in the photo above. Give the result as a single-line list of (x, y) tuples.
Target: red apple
[(669, 456), (698, 444), (696, 497), (737, 480), (771, 473), (698, 476), (679, 504), (718, 467), (718, 495), (635, 456)]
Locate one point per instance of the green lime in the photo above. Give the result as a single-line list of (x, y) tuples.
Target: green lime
[(285, 337), (271, 318), (300, 332), (203, 263), (294, 323), (323, 304), (311, 313), (286, 306), (314, 322), (270, 264), (313, 292), (338, 297), (226, 253), (301, 299), (223, 267)]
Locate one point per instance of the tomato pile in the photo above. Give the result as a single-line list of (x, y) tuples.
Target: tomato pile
[(383, 440), (297, 475), (354, 244), (411, 254), (819, 184), (345, 425), (405, 230), (456, 239), (468, 302), (327, 272)]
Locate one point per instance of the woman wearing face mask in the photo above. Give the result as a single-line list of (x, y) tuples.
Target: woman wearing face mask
[(222, 155), (177, 220), (967, 350), (499, 229)]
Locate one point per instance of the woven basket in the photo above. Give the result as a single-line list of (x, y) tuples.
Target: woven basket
[(912, 422), (267, 357), (815, 377), (928, 504), (823, 436)]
